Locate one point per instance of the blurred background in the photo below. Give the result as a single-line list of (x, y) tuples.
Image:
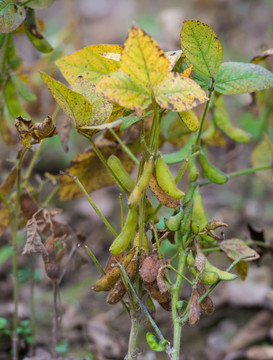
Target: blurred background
[(92, 329)]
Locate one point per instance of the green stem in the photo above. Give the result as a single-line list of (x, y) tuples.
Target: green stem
[(33, 161), (121, 211), (51, 195), (210, 249), (124, 147), (242, 172), (153, 139), (183, 277), (91, 202), (251, 170), (18, 180), (93, 257), (177, 326), (54, 321), (196, 145), (32, 301), (157, 241), (15, 338)]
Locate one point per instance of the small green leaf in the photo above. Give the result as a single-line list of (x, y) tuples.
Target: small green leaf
[(119, 87), (3, 323), (201, 47), (154, 342), (72, 103), (11, 15), (178, 93), (22, 88), (130, 120), (11, 101), (241, 78)]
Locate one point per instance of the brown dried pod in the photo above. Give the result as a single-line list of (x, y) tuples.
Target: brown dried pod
[(107, 281), (119, 289), (194, 306), (164, 299), (112, 261), (200, 259), (150, 267), (51, 266), (161, 196), (207, 304), (160, 280)]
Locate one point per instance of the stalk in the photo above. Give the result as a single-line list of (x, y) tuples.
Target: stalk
[(177, 326)]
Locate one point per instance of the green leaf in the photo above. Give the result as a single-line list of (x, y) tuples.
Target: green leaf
[(72, 103), (142, 59), (40, 4), (178, 93), (119, 87), (89, 63), (128, 121), (241, 78), (11, 15), (22, 88), (3, 323), (154, 343), (11, 101), (201, 47)]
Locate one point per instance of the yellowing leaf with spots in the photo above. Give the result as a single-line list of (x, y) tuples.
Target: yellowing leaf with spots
[(73, 104), (89, 63), (178, 93), (201, 47), (120, 88), (142, 59), (101, 108)]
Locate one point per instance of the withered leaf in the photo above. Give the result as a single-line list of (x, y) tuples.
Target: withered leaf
[(214, 224), (90, 171), (9, 181), (50, 260), (241, 268), (236, 248), (194, 307), (4, 219), (27, 131), (63, 126), (34, 242), (160, 280)]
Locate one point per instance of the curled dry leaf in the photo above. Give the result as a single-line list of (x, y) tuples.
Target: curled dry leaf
[(160, 280), (4, 220), (50, 259), (27, 131), (214, 224), (34, 242), (63, 126), (8, 182)]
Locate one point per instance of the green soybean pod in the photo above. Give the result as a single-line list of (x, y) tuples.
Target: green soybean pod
[(209, 277), (123, 239), (223, 275), (34, 36), (125, 179), (198, 211), (173, 222), (193, 173), (212, 173), (141, 186), (165, 179)]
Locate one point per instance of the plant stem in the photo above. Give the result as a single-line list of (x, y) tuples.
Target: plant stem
[(50, 196), (121, 211), (196, 145), (93, 257), (242, 172), (132, 344), (15, 339), (54, 320), (124, 147), (91, 202), (32, 302), (177, 326)]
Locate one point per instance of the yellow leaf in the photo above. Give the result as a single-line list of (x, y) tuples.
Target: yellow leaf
[(73, 104), (89, 62), (90, 170), (142, 59), (101, 108), (120, 88), (178, 93)]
